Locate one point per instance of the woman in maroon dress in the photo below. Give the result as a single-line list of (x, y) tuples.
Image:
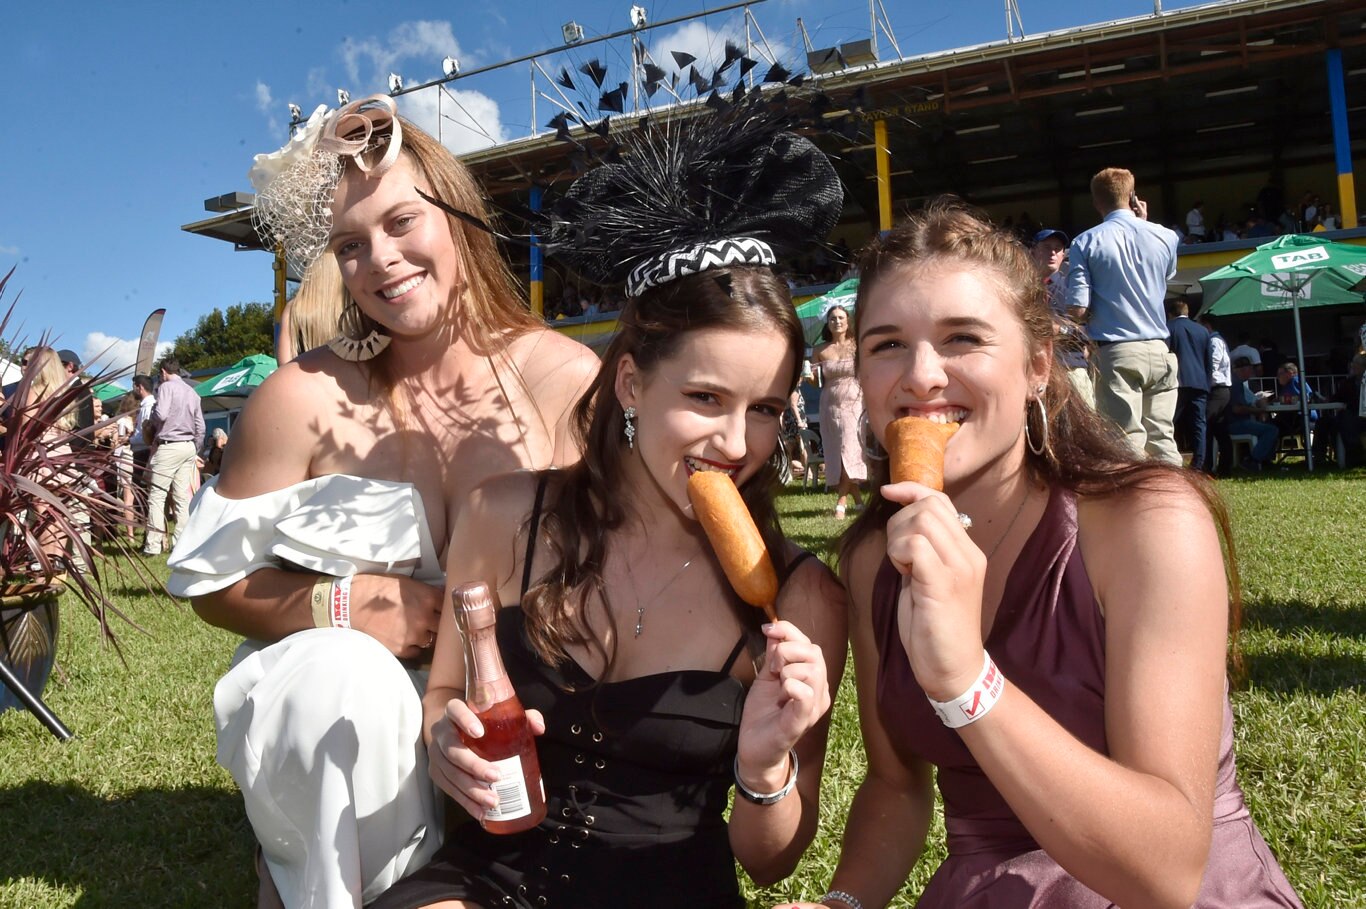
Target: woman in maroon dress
[(1059, 656)]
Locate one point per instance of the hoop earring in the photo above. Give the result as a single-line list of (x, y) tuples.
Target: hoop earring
[(872, 448), (350, 347), (629, 415), (1042, 448)]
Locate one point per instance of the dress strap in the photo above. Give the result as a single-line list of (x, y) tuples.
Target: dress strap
[(735, 652), (533, 528), (791, 567)]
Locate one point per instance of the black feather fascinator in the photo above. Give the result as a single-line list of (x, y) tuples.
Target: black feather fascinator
[(723, 181)]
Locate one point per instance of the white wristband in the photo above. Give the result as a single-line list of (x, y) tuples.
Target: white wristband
[(341, 602), (977, 701)]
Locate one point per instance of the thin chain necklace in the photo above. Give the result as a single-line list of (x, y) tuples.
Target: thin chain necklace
[(640, 607), (1011, 525)]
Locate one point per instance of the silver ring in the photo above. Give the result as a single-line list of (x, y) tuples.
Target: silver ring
[(965, 521), (431, 639)]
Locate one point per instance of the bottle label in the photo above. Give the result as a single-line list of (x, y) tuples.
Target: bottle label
[(513, 801)]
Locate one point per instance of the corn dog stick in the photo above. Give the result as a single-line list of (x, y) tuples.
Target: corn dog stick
[(916, 447), (737, 542)]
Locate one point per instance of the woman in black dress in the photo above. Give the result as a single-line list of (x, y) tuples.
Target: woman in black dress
[(653, 688)]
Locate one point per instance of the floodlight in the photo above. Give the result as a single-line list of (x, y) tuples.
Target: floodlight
[(450, 66), (343, 97), (572, 31), (638, 17), (395, 83), (295, 113)]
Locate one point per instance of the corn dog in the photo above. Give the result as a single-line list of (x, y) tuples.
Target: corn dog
[(916, 446), (732, 533)]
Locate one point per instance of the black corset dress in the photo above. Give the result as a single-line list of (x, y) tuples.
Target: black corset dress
[(637, 774)]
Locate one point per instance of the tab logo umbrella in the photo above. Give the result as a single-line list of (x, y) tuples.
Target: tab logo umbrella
[(1290, 272), (227, 390)]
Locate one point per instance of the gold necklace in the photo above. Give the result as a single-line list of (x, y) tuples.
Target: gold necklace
[(1011, 525)]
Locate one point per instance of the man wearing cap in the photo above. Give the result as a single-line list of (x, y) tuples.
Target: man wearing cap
[(1117, 284), (1247, 408), (176, 430), (85, 409), (1049, 253)]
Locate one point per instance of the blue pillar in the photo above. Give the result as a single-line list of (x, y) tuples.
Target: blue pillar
[(1342, 140), (537, 259)]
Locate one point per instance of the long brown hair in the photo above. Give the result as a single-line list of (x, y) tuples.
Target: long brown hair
[(586, 508), (1085, 452)]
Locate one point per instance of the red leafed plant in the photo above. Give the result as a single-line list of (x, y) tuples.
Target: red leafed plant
[(50, 508)]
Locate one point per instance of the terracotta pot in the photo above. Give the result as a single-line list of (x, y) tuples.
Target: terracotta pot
[(29, 624)]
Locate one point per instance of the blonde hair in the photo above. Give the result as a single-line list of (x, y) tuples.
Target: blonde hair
[(49, 377), (316, 307), (1112, 187)]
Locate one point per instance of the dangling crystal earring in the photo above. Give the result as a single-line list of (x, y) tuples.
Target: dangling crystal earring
[(351, 348), (630, 428)]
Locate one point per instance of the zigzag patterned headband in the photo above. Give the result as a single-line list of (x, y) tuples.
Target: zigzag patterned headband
[(689, 260)]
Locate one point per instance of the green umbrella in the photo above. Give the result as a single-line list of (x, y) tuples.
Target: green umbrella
[(237, 381), (812, 312), (108, 391), (1291, 272)]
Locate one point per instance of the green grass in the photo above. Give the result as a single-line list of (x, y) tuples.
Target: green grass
[(135, 812)]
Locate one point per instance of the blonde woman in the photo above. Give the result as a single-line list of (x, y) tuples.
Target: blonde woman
[(312, 316), (348, 468)]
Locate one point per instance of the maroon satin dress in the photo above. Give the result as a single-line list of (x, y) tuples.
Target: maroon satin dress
[(1049, 640)]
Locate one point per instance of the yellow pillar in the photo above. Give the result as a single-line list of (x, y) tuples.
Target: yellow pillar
[(281, 277), (884, 176), (1347, 201)]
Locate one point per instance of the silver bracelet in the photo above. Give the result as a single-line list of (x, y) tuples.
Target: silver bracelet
[(759, 798), (847, 898)]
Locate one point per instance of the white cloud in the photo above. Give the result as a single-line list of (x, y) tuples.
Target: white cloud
[(265, 103), (369, 61), (708, 45), (9, 250), (318, 85), (106, 353), (468, 120), (464, 120)]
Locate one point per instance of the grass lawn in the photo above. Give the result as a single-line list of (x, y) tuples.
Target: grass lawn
[(135, 812)]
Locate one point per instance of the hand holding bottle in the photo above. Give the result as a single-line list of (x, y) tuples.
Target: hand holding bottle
[(491, 725), (456, 769)]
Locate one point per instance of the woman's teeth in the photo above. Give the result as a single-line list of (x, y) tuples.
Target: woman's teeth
[(947, 416), (695, 465), (957, 415), (399, 290)]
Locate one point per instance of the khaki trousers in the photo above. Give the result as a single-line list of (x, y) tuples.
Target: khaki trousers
[(1136, 387), (171, 466)]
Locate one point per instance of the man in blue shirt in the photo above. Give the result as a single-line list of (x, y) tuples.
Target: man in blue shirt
[(1248, 412), (1117, 284)]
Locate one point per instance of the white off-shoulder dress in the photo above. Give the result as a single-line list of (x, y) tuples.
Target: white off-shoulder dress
[(322, 730)]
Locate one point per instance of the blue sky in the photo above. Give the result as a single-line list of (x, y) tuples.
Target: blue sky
[(124, 117)]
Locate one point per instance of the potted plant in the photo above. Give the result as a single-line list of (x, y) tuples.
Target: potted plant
[(51, 511)]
